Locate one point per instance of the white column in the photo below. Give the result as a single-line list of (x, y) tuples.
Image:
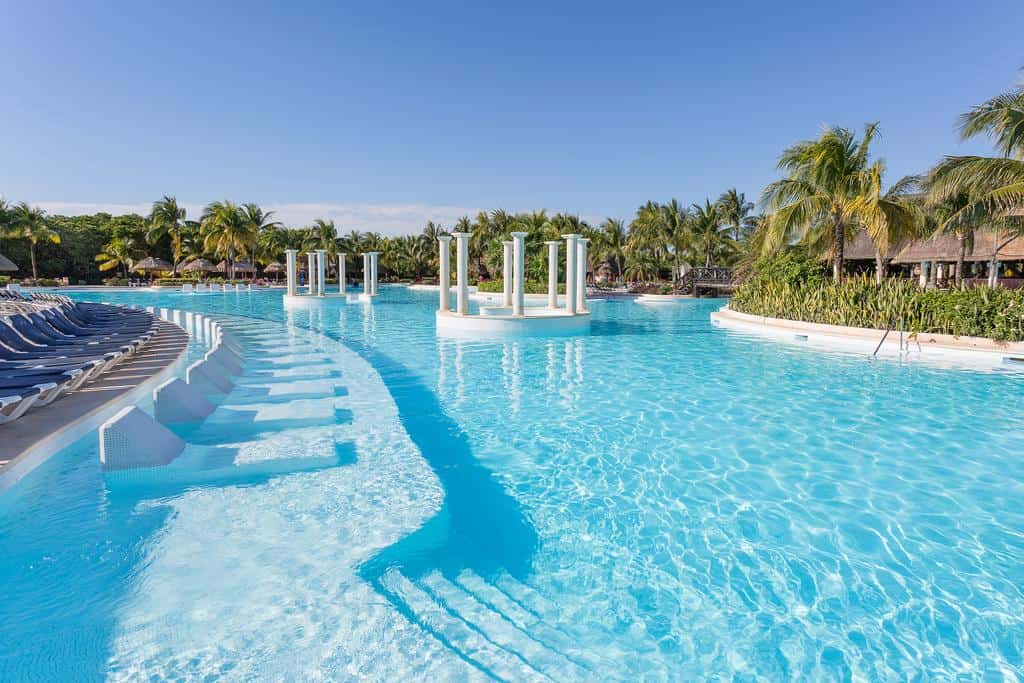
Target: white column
[(291, 272), (373, 271), (506, 273), (923, 278), (518, 273), (570, 273), (321, 271), (581, 274), (444, 271), (461, 272), (341, 274), (311, 272), (552, 273), (366, 274)]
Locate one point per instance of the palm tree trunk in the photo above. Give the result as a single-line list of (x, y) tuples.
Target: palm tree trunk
[(840, 239), (961, 256), (879, 266), (32, 254)]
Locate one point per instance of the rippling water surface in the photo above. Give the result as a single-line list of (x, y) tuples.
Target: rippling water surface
[(660, 500)]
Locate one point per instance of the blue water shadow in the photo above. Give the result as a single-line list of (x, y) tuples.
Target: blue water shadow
[(480, 527)]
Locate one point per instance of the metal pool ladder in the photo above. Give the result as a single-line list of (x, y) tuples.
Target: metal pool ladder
[(888, 329)]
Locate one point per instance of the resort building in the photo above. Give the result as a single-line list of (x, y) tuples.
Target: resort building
[(932, 260)]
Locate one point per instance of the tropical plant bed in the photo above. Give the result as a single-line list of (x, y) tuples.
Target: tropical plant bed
[(791, 289)]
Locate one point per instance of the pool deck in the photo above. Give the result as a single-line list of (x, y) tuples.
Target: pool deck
[(35, 436)]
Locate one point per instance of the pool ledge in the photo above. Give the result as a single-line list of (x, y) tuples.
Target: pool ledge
[(37, 436), (869, 336)]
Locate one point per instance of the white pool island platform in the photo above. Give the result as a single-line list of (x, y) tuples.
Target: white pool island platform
[(316, 290), (513, 318)]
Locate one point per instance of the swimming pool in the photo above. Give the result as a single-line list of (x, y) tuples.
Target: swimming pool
[(659, 500)]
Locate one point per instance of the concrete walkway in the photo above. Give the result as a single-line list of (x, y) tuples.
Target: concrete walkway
[(41, 431)]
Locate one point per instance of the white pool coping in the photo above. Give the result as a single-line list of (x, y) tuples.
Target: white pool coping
[(942, 348)]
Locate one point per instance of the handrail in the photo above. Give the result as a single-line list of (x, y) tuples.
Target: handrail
[(882, 340), (887, 331)]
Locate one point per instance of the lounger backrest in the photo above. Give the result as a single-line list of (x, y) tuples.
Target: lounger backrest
[(10, 337), (40, 322)]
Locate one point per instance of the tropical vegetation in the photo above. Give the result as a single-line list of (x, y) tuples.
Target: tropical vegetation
[(832, 188), (794, 286)]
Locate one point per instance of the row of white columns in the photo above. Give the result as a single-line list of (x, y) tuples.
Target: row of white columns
[(318, 271), (514, 273), (370, 273)]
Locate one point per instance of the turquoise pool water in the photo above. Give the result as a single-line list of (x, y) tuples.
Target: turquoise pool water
[(659, 500)]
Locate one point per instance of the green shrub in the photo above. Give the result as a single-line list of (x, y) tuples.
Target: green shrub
[(783, 288), (532, 286), (115, 282)]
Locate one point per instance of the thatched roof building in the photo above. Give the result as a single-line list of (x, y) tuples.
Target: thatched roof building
[(940, 248)]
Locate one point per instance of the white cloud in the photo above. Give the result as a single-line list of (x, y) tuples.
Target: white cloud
[(387, 219)]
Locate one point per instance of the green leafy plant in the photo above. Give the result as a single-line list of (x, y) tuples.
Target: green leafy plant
[(791, 288)]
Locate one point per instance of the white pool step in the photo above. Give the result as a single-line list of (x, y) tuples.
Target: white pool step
[(501, 630), (525, 596), (544, 629), (459, 636), (468, 610)]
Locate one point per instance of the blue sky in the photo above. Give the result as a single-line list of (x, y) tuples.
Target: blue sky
[(382, 116)]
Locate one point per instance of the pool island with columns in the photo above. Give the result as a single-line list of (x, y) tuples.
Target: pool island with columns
[(514, 318)]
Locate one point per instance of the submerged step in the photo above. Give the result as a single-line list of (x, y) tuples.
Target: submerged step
[(456, 633), (526, 596), (547, 633), (501, 630)]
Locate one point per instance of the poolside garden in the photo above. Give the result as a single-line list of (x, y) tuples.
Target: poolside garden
[(794, 286)]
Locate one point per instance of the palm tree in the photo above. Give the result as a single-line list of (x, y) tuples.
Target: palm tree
[(432, 231), (610, 245), (258, 221), (987, 189), (707, 230), (826, 190), (118, 253), (938, 219), (5, 210), (735, 212), (482, 234), (642, 267), (271, 243), (677, 232), (225, 232), (29, 223), (322, 235), (167, 218), (892, 216), (646, 237)]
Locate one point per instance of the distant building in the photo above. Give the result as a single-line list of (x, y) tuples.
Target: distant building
[(933, 259)]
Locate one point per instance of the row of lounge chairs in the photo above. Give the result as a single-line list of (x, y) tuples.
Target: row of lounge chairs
[(50, 345), (215, 287)]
